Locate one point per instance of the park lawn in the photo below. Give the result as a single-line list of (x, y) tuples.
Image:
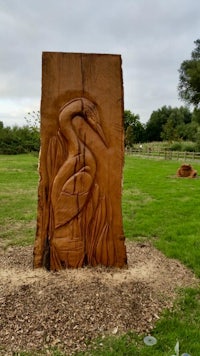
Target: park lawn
[(162, 208), (18, 196), (157, 207)]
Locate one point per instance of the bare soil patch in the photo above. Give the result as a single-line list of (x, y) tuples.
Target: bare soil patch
[(40, 310)]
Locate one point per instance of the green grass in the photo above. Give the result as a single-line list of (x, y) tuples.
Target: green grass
[(158, 207), (161, 207), (182, 324), (18, 196)]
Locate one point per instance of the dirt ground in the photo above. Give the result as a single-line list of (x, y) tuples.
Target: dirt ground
[(40, 310)]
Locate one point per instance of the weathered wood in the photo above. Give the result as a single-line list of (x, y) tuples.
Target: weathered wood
[(186, 171), (81, 162)]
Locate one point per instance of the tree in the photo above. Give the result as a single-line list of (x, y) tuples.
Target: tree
[(196, 116), (169, 132), (134, 129), (17, 139), (168, 123), (177, 124), (156, 122), (189, 78), (129, 136), (129, 119), (197, 138), (33, 120)]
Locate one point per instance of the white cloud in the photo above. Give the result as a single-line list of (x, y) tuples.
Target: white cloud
[(153, 37), (17, 110)]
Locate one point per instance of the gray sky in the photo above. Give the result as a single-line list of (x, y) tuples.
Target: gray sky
[(153, 37)]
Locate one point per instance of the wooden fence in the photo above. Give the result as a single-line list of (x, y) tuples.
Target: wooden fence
[(164, 154)]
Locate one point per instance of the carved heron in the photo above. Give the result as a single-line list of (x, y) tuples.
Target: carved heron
[(79, 226)]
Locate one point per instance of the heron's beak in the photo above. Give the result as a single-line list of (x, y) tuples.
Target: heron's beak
[(95, 125), (99, 130)]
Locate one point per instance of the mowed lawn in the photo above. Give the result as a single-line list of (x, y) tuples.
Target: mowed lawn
[(162, 208), (18, 196), (157, 207)]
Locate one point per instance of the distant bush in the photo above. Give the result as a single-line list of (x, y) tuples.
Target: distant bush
[(189, 147), (176, 146), (18, 140), (182, 146)]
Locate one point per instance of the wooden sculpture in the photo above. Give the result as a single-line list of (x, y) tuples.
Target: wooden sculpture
[(79, 222), (186, 170)]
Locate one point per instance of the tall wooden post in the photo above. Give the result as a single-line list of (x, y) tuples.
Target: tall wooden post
[(81, 162)]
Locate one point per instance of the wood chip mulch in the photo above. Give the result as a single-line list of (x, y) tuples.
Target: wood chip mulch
[(40, 310)]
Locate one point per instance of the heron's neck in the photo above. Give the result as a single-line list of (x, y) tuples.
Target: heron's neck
[(72, 140)]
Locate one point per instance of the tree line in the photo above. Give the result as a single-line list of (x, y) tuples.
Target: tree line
[(166, 123), (169, 123), (26, 139)]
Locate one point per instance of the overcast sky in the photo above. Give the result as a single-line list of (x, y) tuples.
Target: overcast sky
[(153, 37)]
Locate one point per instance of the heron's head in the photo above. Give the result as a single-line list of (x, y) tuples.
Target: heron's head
[(87, 110), (91, 116)]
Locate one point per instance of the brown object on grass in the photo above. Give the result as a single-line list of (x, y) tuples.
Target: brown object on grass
[(81, 162), (186, 171)]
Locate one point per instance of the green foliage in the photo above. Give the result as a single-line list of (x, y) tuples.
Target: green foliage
[(130, 137), (189, 78), (169, 130), (183, 146), (33, 120), (197, 139), (166, 123), (166, 146), (18, 195), (170, 124), (154, 125), (157, 204), (189, 147), (17, 139), (128, 119), (134, 129), (196, 116), (176, 146)]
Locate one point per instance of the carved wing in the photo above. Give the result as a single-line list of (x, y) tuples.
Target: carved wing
[(72, 198)]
